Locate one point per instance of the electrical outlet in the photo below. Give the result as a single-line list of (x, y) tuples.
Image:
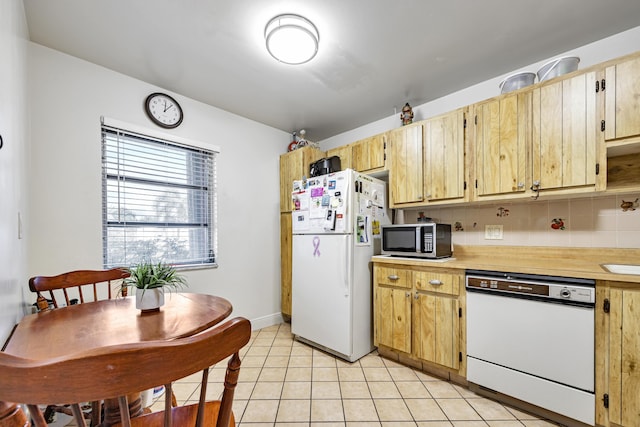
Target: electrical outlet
[(493, 232)]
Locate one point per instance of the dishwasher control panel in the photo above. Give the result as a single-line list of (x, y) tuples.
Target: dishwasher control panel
[(554, 288)]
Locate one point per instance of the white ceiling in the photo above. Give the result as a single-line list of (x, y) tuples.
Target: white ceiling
[(374, 55)]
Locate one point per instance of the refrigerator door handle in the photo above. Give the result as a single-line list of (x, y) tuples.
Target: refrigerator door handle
[(346, 280), (347, 257)]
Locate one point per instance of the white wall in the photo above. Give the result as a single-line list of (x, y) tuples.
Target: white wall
[(67, 98), (13, 157), (609, 48)]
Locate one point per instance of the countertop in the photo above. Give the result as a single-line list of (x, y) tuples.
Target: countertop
[(555, 261)]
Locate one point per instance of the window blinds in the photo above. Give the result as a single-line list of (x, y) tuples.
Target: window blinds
[(159, 200)]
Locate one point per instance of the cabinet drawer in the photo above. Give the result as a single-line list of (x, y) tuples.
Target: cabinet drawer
[(444, 283), (392, 276)]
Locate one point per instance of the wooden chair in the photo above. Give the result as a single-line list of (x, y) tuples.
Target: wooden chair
[(118, 371), (78, 286), (85, 285)]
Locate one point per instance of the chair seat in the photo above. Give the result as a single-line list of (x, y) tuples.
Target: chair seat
[(183, 416)]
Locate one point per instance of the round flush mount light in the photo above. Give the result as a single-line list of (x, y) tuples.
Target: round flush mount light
[(291, 39)]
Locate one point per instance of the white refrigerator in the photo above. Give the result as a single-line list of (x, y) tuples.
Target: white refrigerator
[(336, 229)]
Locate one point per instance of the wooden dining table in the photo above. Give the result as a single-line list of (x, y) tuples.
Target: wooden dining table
[(64, 331)]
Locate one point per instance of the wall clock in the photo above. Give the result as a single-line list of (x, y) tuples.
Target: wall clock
[(163, 110)]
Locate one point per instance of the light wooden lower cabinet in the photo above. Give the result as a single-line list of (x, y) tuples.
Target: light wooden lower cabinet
[(617, 354), (392, 298), (393, 318), (436, 332), (285, 264), (418, 314)]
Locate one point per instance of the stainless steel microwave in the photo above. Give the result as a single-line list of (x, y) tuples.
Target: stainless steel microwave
[(426, 240)]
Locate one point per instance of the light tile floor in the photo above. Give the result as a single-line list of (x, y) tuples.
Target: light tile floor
[(289, 384)]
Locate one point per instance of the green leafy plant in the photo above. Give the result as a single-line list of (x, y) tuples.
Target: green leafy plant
[(148, 275)]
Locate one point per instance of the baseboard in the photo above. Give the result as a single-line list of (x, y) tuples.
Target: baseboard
[(266, 321)]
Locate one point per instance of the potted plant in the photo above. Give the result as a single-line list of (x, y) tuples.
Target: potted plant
[(151, 280)]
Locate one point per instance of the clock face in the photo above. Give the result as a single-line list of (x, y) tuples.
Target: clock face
[(163, 110)]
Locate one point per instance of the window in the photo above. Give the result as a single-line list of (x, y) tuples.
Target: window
[(158, 200)]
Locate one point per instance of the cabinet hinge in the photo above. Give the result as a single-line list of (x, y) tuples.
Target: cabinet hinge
[(602, 126), (597, 86), (597, 168), (385, 156), (605, 400), (602, 85), (476, 183), (459, 311), (475, 120), (606, 306), (464, 123), (460, 357), (465, 185)]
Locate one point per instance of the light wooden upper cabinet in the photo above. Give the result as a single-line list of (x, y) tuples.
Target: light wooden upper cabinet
[(502, 138), (368, 155), (564, 149), (295, 165), (406, 170), (344, 152), (622, 100), (444, 170)]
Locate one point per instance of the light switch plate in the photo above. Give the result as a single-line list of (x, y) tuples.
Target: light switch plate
[(493, 232)]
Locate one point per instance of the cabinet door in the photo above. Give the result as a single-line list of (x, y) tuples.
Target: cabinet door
[(624, 357), (437, 329), (406, 171), (285, 264), (393, 318), (444, 157), (564, 133), (622, 100), (344, 152), (368, 154), (294, 165), (502, 137)]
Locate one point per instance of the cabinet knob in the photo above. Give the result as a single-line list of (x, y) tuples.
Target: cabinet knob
[(435, 282), (408, 294), (393, 277)]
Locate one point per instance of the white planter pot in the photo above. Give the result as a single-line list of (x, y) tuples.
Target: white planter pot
[(149, 299)]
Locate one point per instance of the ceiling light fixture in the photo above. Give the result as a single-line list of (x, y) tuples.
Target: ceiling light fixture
[(291, 39)]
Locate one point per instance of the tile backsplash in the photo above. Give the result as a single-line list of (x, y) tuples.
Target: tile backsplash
[(585, 222)]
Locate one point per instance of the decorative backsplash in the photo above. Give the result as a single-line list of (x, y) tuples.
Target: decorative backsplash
[(611, 221)]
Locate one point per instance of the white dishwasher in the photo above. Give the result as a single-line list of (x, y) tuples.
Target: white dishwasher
[(531, 337)]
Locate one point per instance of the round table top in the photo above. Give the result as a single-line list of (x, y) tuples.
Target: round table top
[(80, 327)]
